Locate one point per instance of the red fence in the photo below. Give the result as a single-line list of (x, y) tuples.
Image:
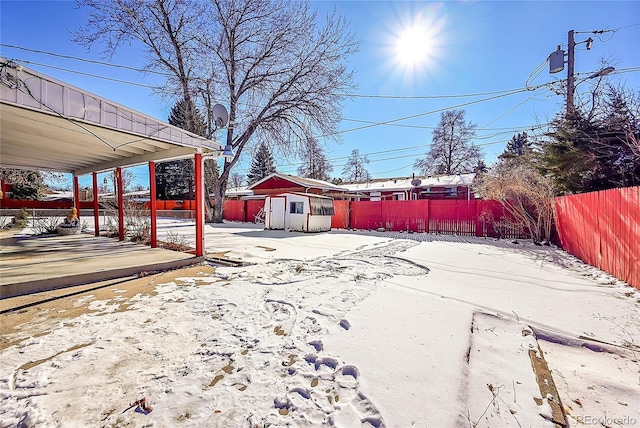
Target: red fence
[(463, 217), (16, 204), (245, 211), (603, 229)]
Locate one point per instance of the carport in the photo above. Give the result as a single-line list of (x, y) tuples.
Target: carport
[(49, 125)]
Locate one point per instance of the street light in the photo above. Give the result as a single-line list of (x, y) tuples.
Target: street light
[(603, 72)]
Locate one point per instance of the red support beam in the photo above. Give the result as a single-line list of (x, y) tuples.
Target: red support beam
[(120, 203), (96, 206), (76, 195), (152, 204), (199, 206)]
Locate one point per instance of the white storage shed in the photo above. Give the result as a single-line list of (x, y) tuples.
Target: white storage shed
[(302, 212)]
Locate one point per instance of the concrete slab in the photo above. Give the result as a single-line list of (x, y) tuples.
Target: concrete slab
[(30, 264)]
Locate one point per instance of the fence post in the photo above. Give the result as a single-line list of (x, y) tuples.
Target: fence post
[(479, 231), (426, 220)]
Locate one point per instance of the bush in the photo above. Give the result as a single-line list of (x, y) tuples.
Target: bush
[(175, 242), (46, 225), (22, 218)]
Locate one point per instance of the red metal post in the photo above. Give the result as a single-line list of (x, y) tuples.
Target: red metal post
[(152, 204), (199, 206), (96, 206), (120, 204), (76, 195)]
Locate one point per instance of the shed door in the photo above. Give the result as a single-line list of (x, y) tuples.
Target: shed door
[(277, 213)]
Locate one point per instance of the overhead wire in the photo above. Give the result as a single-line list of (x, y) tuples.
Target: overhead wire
[(478, 94), (91, 61), (392, 122), (87, 74)]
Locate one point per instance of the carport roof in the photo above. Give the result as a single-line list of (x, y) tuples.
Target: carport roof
[(46, 124)]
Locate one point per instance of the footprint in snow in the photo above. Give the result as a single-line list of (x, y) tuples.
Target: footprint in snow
[(326, 392), (282, 315)]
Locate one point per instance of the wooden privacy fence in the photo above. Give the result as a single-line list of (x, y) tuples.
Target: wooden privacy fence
[(474, 217), (603, 229), (242, 210)]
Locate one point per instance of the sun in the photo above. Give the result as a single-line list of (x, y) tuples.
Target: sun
[(416, 40), (414, 47)]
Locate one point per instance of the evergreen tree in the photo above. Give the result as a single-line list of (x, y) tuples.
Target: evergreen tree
[(354, 169), (481, 167), (314, 162), (518, 148), (592, 148), (452, 151), (28, 185), (184, 114), (175, 179), (262, 165)]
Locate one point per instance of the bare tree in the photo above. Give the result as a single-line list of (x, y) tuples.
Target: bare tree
[(526, 195), (127, 181), (282, 75), (236, 180), (354, 169), (451, 149), (314, 162)]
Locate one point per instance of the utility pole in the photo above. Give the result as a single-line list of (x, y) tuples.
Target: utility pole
[(570, 67)]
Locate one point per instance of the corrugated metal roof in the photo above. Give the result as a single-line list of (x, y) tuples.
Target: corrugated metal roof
[(46, 124)]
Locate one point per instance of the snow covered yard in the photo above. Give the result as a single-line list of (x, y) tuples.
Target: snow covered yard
[(344, 329)]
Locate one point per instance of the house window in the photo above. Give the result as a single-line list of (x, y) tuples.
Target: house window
[(296, 207), (451, 192)]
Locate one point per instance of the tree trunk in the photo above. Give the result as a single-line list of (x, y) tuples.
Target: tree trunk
[(220, 190)]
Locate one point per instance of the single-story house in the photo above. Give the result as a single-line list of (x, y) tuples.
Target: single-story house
[(280, 183), (303, 212), (458, 186)]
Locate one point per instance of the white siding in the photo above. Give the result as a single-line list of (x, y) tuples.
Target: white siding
[(279, 215)]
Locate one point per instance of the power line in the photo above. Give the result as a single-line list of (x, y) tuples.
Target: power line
[(427, 97), (87, 74), (513, 92), (126, 67), (91, 61)]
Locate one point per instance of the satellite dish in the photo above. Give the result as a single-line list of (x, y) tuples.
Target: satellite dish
[(220, 116), (416, 182)]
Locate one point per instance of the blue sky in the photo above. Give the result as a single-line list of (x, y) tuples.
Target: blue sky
[(468, 47)]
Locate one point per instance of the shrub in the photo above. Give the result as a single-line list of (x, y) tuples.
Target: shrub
[(45, 225), (22, 218)]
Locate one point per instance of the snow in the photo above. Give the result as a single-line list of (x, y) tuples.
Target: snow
[(405, 183), (343, 329)]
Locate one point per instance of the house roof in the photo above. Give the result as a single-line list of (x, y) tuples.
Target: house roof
[(306, 195), (46, 124), (297, 181), (405, 183), (238, 191)]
